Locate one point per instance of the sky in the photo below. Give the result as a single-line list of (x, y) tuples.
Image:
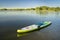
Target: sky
[(28, 3)]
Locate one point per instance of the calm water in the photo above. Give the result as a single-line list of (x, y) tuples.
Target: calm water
[(10, 21)]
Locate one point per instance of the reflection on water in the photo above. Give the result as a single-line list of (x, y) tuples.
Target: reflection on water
[(19, 35), (12, 20)]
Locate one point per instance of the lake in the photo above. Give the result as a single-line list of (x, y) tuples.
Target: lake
[(10, 21)]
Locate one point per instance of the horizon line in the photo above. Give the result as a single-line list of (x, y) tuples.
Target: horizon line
[(27, 7)]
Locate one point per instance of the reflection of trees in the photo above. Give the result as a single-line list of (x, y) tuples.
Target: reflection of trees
[(57, 13), (42, 12)]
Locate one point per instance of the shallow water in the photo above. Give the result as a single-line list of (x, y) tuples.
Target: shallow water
[(10, 21)]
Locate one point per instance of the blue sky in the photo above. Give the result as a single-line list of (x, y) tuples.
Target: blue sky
[(28, 3)]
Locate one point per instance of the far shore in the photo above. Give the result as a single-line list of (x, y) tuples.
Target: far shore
[(42, 8)]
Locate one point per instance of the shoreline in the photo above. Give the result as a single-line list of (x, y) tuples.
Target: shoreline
[(42, 8)]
